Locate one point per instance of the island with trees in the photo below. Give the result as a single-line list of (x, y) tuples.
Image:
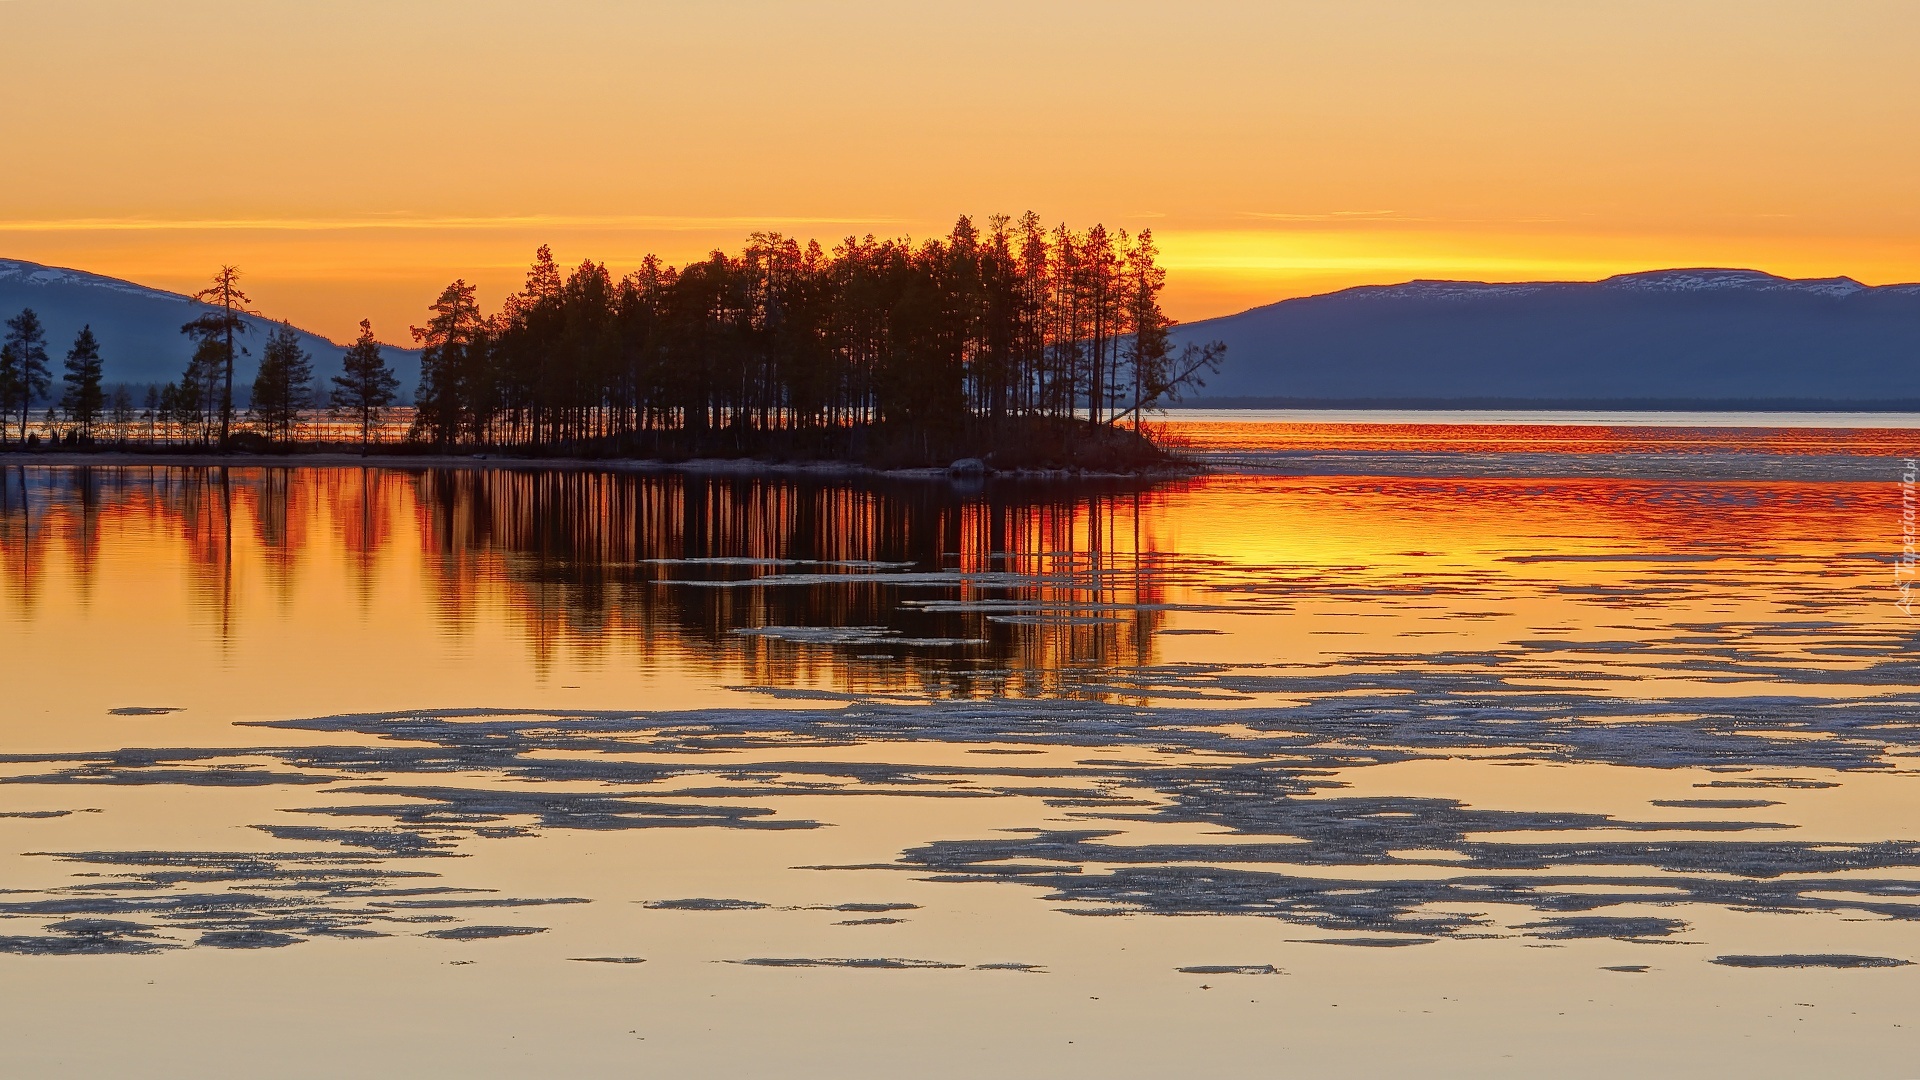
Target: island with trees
[(1014, 346)]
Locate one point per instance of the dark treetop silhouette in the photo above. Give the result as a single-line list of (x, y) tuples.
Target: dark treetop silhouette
[(1019, 344), (283, 386), (23, 368), (881, 349), (215, 331), (365, 386), (83, 400)]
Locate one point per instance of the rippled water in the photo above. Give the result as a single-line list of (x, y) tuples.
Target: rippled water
[(1385, 748)]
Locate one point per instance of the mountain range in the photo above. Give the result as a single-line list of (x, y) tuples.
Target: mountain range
[(1702, 338), (139, 327), (1706, 338)]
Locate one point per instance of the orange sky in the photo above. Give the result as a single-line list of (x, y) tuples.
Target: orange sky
[(355, 155)]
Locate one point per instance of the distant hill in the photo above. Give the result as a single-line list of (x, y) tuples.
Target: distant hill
[(139, 327), (1701, 338)]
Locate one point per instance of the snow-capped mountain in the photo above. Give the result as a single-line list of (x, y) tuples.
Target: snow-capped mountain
[(1709, 280), (1706, 337), (139, 327)]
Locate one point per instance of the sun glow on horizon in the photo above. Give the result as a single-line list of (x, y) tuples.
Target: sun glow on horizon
[(375, 151)]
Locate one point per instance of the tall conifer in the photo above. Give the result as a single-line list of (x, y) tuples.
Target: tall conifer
[(367, 385), (448, 379), (26, 377), (215, 331), (83, 400), (283, 385)]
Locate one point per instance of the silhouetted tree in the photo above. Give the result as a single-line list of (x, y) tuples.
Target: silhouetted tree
[(980, 335), (1147, 351), (283, 385), (83, 400), (453, 382), (366, 385), (1188, 371), (194, 402), (120, 412), (24, 377), (219, 327), (9, 386)]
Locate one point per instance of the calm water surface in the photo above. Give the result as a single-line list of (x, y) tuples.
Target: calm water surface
[(1393, 747)]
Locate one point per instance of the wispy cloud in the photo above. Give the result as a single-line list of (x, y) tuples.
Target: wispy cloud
[(1331, 215), (406, 222), (1396, 217)]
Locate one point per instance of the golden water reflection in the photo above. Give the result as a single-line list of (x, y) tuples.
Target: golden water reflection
[(601, 565), (1265, 434), (1565, 734), (473, 585)]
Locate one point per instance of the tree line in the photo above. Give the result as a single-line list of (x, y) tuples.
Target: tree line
[(199, 406), (965, 330), (25, 378), (957, 337)]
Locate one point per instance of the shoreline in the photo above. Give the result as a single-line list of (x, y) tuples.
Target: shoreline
[(736, 467)]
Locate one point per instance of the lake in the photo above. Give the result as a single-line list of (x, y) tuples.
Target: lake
[(1387, 746)]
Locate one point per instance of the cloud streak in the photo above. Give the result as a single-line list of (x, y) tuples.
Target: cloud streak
[(1334, 215), (408, 222)]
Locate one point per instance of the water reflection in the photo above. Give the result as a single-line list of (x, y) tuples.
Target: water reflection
[(1668, 719), (720, 572), (1232, 433)]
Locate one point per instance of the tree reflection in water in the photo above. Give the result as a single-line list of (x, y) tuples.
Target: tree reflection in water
[(931, 587)]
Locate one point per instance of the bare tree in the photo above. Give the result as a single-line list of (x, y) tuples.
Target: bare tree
[(220, 327)]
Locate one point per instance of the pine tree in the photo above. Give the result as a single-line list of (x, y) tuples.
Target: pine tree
[(9, 384), (26, 376), (366, 385), (785, 347), (83, 399), (1147, 351), (1098, 266), (120, 411), (173, 411), (218, 327), (283, 385), (447, 375), (195, 404)]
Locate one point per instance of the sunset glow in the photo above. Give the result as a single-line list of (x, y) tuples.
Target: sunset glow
[(354, 157), (1017, 538)]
